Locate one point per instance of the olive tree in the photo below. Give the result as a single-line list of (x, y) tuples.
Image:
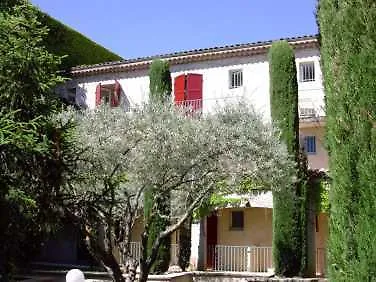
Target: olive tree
[(180, 157)]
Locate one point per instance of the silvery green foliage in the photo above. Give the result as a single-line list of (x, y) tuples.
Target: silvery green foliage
[(190, 157)]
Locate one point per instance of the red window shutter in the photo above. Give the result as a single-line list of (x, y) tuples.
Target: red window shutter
[(115, 98), (98, 95), (179, 89), (194, 90)]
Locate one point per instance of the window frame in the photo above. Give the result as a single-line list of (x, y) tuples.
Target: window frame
[(235, 82), (107, 96), (302, 71), (310, 149), (241, 220)]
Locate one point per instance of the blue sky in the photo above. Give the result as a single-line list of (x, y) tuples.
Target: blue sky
[(148, 27)]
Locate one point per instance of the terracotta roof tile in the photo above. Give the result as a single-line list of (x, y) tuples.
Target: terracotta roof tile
[(103, 67)]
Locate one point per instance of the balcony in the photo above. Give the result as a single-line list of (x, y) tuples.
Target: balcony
[(190, 107), (209, 105), (311, 109)]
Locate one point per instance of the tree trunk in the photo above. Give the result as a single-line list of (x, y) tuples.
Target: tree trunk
[(144, 266), (106, 257), (144, 271), (185, 244), (111, 262)]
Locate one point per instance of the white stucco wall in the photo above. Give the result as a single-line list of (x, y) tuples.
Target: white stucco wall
[(216, 90), (319, 159), (255, 89), (135, 86), (311, 93)]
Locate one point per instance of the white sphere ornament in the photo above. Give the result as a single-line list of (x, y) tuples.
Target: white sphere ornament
[(75, 275)]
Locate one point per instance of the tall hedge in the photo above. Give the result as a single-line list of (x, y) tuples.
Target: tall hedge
[(79, 50), (348, 52), (6, 5), (62, 40), (288, 215), (156, 202)]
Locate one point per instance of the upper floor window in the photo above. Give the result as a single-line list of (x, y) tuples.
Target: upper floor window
[(108, 94), (237, 220), (107, 97), (236, 78), (310, 144), (307, 71)]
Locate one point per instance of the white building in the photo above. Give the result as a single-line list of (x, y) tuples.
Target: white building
[(206, 78)]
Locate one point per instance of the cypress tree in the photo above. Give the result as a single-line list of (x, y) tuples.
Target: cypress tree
[(157, 207), (348, 51), (160, 81), (290, 249)]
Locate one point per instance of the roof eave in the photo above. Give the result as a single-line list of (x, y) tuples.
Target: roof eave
[(189, 57)]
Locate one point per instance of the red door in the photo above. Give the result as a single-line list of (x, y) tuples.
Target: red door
[(211, 240), (179, 89), (98, 95), (194, 91)]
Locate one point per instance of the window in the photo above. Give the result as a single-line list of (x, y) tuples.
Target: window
[(310, 144), (108, 94), (236, 78), (307, 71), (237, 220), (71, 95)]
